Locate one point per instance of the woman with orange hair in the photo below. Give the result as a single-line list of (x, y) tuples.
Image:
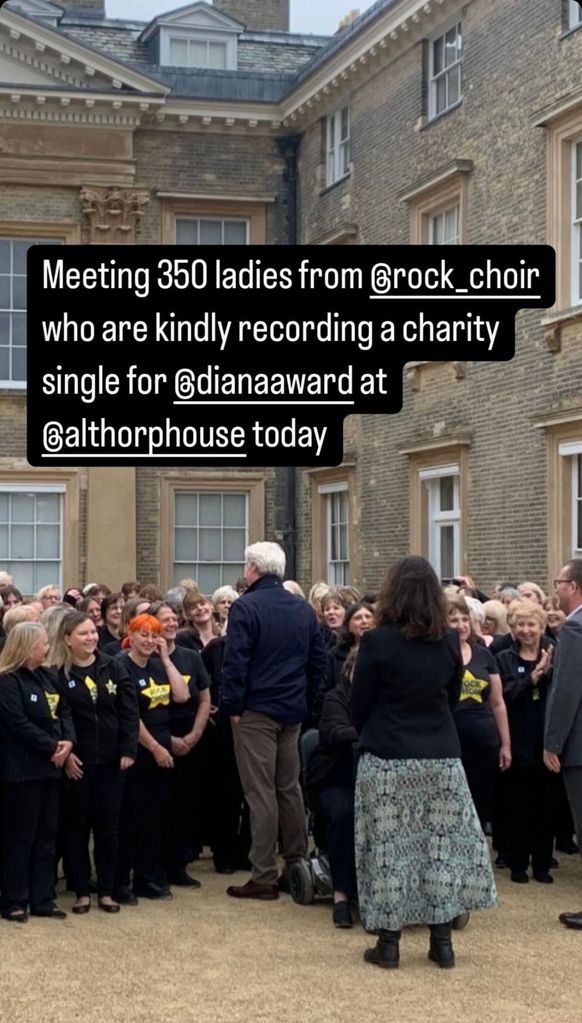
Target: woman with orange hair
[(157, 682)]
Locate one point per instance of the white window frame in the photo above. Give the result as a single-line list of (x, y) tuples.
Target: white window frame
[(197, 218), (197, 40), (442, 213), (433, 78), (574, 14), (229, 39), (40, 488), (437, 519), (19, 384), (328, 490), (576, 226), (178, 492), (337, 147), (573, 451)]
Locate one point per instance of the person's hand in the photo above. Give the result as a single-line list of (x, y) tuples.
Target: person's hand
[(162, 648), (61, 753), (162, 757), (125, 763), (180, 747), (73, 767), (234, 719), (504, 758), (552, 762), (542, 666)]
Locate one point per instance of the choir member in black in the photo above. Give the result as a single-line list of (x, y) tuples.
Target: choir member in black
[(103, 703), (480, 715), (145, 805), (188, 722), (201, 627), (526, 671), (36, 738), (111, 608)]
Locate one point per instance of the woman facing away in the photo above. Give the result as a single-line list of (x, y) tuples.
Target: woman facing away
[(421, 855)]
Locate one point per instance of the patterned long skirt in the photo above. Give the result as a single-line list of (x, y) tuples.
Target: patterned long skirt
[(421, 855)]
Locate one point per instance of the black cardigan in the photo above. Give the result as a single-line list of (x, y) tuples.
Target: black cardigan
[(107, 729), (402, 694), (332, 763), (34, 718)]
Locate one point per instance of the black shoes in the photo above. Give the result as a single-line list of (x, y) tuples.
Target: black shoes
[(543, 876), (569, 848), (15, 914), (125, 896), (441, 946), (573, 920), (386, 952), (342, 915), (149, 890), (50, 912), (519, 876), (183, 880)]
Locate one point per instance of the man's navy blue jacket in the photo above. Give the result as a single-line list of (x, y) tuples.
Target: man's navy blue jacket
[(275, 658)]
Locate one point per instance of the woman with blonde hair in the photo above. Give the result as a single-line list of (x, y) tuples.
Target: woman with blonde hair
[(533, 592), (201, 627), (36, 738), (495, 623), (103, 704), (526, 673)]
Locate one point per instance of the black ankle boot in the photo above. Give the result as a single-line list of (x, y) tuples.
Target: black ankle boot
[(441, 947), (386, 952)]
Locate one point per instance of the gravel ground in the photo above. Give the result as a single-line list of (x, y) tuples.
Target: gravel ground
[(206, 957)]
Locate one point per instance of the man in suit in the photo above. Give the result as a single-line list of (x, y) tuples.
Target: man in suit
[(563, 731), (273, 666)]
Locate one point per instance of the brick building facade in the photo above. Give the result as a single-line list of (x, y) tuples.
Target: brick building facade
[(424, 122)]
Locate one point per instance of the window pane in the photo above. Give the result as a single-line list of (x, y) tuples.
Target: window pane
[(447, 551), (48, 508), (3, 507), (451, 46), (48, 542), (179, 52), (23, 573), (4, 256), (437, 51), (210, 232), (22, 541), (186, 232), (44, 574), (18, 364), (343, 538), (454, 76), (345, 119), (4, 542), (235, 232), (217, 55), (19, 329), (209, 578), (4, 363), (19, 250), (210, 546), (186, 509), (447, 493), (234, 510), (19, 293), (184, 570), (22, 508), (198, 53), (186, 545), (441, 94), (5, 293), (209, 509), (234, 544), (331, 132)]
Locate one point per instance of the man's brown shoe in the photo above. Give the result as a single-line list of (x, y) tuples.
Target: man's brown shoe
[(252, 890)]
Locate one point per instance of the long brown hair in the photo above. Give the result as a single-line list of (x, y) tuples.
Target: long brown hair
[(411, 597)]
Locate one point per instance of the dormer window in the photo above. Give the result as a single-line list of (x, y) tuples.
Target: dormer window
[(198, 36), (41, 10)]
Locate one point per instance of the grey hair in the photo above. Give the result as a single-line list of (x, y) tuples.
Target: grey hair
[(268, 558)]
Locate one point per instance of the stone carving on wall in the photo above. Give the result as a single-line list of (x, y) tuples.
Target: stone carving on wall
[(113, 215)]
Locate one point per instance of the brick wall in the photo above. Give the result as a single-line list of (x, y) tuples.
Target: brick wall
[(514, 67), (258, 14)]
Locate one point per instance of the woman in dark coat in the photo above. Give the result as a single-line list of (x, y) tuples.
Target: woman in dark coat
[(104, 707), (36, 737), (526, 673), (421, 854)]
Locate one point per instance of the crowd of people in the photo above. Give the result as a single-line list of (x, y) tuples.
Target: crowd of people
[(138, 727)]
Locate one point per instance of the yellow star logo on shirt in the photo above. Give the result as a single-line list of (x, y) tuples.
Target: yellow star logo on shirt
[(186, 679), (472, 688), (53, 701), (111, 688), (92, 687), (158, 695)]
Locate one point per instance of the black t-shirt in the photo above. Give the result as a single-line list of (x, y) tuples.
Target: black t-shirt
[(153, 696), (476, 683), (189, 664)]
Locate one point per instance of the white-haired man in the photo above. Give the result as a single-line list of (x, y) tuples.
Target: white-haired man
[(273, 665)]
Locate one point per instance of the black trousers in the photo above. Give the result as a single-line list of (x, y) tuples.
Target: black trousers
[(183, 799), (30, 821), (93, 803), (337, 806), (530, 817), (480, 762), (144, 814), (225, 810)]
